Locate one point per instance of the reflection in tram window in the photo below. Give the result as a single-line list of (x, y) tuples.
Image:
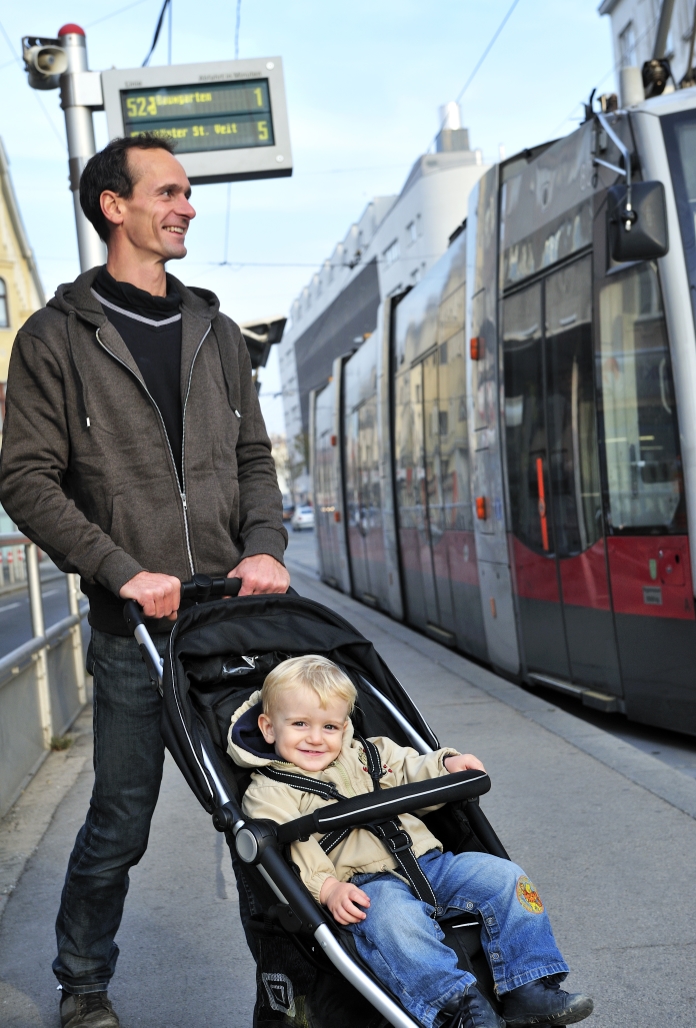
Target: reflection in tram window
[(640, 419), (574, 467), (524, 419)]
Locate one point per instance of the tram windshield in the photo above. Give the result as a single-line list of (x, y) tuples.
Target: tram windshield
[(680, 140)]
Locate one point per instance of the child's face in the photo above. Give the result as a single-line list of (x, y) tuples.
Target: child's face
[(303, 732)]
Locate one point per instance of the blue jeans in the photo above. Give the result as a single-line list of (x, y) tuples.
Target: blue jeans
[(128, 759), (403, 944)]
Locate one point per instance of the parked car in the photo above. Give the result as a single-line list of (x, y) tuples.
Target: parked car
[(288, 509), (303, 517)]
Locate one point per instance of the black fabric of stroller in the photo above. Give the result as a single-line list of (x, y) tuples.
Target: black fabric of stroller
[(219, 654), (205, 677)]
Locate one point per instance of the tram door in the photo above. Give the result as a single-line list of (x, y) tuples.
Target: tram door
[(559, 551), (436, 608)]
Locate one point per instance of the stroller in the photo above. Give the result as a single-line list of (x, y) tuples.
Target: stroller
[(309, 974)]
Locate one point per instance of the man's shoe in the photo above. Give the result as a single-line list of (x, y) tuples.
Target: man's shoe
[(544, 1002), (92, 1010), (472, 1010)]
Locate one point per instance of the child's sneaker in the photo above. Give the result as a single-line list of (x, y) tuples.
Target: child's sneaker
[(472, 1011), (544, 1002)]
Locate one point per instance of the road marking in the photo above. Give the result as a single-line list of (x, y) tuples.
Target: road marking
[(10, 606), (50, 592)]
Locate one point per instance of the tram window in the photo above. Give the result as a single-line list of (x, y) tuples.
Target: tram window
[(571, 423), (525, 430), (640, 418)]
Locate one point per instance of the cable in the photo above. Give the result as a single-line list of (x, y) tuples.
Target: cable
[(236, 30), (160, 22), (113, 14), (480, 61), (18, 61), (614, 68)]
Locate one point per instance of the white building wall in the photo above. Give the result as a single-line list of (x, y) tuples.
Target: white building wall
[(634, 28), (407, 234)]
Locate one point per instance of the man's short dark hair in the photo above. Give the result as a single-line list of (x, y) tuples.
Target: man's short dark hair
[(109, 169)]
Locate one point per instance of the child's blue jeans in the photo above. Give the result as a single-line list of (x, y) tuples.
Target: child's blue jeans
[(403, 944)]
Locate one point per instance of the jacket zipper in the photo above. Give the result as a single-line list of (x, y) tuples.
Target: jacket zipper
[(183, 449), (182, 492)]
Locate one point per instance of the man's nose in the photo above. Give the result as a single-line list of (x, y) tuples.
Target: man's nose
[(185, 209)]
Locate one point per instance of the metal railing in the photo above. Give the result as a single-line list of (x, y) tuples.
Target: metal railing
[(42, 682)]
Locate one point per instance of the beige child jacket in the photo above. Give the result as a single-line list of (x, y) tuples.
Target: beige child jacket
[(361, 852)]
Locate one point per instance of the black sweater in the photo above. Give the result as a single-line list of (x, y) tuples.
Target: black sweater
[(150, 326)]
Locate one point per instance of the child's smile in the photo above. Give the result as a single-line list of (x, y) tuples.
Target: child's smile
[(303, 732)]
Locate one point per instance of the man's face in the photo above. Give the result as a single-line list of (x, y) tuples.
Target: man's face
[(155, 219), (308, 735)]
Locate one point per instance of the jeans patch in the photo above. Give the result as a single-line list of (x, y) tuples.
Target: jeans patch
[(528, 896)]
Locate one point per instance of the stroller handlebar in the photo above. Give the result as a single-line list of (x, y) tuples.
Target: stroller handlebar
[(374, 807), (199, 589)]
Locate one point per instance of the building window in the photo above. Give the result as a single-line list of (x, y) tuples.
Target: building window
[(4, 313), (391, 254), (411, 232), (627, 46), (3, 386)]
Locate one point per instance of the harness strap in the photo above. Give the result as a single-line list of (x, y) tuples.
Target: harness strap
[(327, 790), (399, 844), (392, 833)]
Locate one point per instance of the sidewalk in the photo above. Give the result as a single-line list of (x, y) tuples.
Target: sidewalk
[(602, 829)]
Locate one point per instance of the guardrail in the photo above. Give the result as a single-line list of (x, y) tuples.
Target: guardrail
[(42, 682)]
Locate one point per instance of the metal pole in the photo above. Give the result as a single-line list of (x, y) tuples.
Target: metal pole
[(663, 29), (38, 628), (76, 634), (81, 145)]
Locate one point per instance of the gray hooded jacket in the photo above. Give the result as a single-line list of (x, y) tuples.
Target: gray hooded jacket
[(86, 469)]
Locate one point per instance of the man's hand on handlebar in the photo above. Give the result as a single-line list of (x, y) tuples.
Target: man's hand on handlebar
[(261, 574), (158, 595)]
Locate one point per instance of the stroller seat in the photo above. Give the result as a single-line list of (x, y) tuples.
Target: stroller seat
[(308, 970)]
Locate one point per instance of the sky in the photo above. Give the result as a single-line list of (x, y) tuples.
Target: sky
[(363, 80)]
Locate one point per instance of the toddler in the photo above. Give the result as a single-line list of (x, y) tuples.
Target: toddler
[(305, 730)]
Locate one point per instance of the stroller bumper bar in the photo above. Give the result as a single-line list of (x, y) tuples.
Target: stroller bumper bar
[(385, 804)]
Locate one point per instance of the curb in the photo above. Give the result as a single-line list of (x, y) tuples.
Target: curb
[(24, 825), (640, 768)]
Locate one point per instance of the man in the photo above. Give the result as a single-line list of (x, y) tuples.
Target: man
[(134, 453)]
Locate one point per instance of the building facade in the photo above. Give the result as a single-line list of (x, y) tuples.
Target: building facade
[(21, 292), (392, 245), (634, 28)]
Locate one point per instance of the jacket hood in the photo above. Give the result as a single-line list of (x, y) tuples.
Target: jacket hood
[(249, 749), (77, 296)]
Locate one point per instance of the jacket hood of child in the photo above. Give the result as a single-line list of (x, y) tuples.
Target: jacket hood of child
[(361, 852)]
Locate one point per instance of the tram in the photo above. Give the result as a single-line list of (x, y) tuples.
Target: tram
[(508, 463)]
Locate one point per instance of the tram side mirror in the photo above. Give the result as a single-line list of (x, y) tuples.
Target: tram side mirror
[(641, 233)]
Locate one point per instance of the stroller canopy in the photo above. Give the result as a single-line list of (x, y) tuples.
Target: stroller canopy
[(220, 653)]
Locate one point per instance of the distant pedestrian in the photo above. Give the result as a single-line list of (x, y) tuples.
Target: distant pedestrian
[(134, 453)]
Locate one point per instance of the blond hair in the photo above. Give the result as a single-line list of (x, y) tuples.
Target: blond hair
[(319, 674)]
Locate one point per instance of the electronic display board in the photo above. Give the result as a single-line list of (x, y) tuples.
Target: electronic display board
[(228, 120)]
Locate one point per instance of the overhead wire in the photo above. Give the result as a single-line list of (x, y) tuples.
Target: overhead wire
[(120, 10), (18, 60), (236, 29), (158, 29), (478, 64)]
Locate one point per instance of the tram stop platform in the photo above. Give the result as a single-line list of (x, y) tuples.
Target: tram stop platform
[(606, 832)]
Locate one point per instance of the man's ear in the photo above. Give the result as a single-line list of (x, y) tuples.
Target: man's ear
[(266, 727), (112, 207)]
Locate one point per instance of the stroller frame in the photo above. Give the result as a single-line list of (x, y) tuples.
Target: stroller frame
[(258, 843)]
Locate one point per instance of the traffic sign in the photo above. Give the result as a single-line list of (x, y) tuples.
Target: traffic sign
[(227, 119)]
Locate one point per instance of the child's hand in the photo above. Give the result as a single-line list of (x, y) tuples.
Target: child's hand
[(463, 762), (340, 899)]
